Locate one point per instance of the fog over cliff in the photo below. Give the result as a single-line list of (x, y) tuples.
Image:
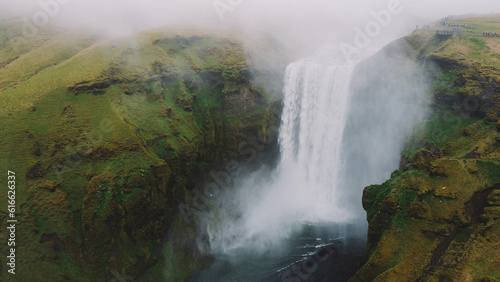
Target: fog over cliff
[(305, 25)]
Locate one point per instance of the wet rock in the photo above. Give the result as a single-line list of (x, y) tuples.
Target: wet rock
[(491, 213), (474, 154), (49, 185), (420, 209), (36, 148), (165, 113), (244, 100), (34, 171), (390, 204), (494, 198), (424, 157), (447, 192), (96, 87), (434, 149), (467, 131), (424, 190), (53, 241), (442, 230)]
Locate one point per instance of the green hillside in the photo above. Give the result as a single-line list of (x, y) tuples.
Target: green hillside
[(108, 136), (438, 217)]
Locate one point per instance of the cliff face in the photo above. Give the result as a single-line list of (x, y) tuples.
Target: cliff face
[(107, 138), (438, 217)]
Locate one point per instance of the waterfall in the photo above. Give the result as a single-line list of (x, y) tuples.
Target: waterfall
[(343, 127), (315, 110), (306, 187)]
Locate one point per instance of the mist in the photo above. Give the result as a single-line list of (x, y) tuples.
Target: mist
[(302, 26), (343, 127)]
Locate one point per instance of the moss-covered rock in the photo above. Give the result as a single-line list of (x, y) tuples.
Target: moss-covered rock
[(108, 137), (445, 226)]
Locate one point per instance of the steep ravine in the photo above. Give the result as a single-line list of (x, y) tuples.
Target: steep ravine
[(438, 217), (114, 141)]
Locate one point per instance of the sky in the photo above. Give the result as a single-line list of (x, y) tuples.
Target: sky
[(113, 14), (296, 22)]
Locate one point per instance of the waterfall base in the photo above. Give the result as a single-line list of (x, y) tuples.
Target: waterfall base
[(318, 252)]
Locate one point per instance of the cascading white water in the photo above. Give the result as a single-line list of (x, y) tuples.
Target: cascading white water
[(306, 186), (315, 110), (339, 133)]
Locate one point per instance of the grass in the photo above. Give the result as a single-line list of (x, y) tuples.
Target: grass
[(480, 43), (128, 120), (473, 46), (444, 186)]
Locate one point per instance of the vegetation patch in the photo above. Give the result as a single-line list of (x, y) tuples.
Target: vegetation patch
[(435, 217), (110, 137)]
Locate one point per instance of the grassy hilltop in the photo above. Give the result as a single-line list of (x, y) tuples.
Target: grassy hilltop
[(108, 137), (438, 217)]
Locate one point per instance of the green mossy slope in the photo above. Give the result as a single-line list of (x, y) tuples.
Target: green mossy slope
[(438, 217), (108, 137)]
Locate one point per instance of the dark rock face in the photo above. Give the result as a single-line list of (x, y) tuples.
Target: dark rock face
[(425, 156)]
